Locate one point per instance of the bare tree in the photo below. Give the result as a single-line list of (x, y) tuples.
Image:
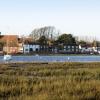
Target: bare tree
[(49, 32)]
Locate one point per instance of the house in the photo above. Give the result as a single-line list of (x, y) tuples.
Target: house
[(10, 43), (29, 46), (69, 48), (88, 48)]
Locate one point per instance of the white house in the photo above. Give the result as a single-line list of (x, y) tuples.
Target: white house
[(86, 49), (29, 48)]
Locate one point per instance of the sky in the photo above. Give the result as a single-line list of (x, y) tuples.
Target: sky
[(78, 17)]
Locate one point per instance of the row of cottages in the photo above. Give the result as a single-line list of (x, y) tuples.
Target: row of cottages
[(13, 45), (30, 47)]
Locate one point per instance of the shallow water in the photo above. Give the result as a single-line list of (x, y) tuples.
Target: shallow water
[(53, 59)]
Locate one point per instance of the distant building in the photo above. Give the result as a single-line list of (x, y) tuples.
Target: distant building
[(10, 43), (29, 46), (69, 49), (89, 49)]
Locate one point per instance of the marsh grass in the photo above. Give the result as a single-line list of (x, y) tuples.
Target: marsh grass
[(53, 81)]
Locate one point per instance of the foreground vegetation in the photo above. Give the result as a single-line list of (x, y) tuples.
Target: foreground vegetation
[(53, 81)]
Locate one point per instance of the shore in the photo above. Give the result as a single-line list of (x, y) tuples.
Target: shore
[(53, 54), (50, 81)]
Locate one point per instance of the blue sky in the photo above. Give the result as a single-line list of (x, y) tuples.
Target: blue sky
[(79, 17)]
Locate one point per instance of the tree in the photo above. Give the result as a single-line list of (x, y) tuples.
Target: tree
[(83, 43), (49, 32), (95, 43), (42, 40), (66, 39), (43, 43)]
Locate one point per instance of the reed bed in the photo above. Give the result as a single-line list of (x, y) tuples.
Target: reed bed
[(50, 81)]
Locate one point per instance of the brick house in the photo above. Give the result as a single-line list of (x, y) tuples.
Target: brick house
[(10, 43)]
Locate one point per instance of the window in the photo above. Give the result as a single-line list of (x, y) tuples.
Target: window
[(76, 50), (68, 46), (26, 49), (64, 47), (77, 47), (31, 49), (37, 49), (72, 49), (72, 46)]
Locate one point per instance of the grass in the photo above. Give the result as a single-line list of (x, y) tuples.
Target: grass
[(50, 81)]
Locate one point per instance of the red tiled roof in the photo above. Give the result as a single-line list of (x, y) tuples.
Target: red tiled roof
[(11, 39)]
